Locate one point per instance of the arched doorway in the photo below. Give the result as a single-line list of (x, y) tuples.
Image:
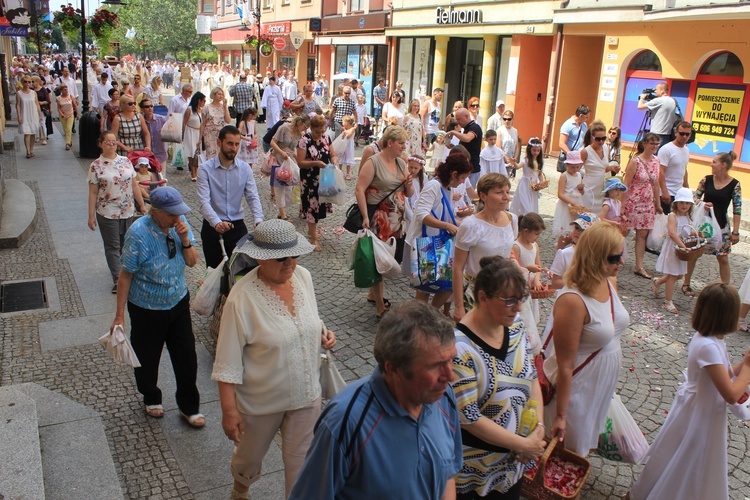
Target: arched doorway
[(643, 73)]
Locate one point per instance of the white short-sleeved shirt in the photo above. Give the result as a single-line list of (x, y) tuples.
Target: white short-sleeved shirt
[(562, 260), (482, 239), (674, 160)]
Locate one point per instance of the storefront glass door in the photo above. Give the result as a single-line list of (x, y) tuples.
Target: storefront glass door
[(471, 83)]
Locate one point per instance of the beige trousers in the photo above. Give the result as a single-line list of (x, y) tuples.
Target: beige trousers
[(296, 435)]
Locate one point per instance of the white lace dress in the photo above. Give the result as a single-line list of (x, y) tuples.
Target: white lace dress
[(272, 356)]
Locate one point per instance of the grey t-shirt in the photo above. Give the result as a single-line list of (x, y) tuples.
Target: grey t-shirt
[(662, 114)]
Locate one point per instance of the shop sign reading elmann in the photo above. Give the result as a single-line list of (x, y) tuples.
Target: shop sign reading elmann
[(451, 16)]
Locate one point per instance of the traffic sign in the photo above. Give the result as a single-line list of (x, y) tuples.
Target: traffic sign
[(297, 39)]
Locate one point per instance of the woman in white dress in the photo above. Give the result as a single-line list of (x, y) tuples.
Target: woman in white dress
[(595, 158), (413, 123), (588, 319), (688, 459), (191, 132), (490, 232), (394, 110), (525, 199), (29, 114)]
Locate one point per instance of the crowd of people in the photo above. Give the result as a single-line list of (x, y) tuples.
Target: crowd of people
[(455, 366)]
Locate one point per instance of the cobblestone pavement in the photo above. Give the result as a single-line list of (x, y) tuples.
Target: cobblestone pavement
[(654, 348)]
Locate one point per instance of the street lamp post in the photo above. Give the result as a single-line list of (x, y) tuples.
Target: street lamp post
[(256, 14)]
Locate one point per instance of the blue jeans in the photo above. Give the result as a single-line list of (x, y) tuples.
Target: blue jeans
[(474, 178)]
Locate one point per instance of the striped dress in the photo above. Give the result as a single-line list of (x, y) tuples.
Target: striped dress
[(130, 134), (493, 383)]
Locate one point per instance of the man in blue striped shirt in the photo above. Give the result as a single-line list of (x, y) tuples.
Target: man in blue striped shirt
[(222, 183)]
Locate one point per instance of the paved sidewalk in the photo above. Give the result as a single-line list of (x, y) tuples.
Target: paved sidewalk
[(57, 348)]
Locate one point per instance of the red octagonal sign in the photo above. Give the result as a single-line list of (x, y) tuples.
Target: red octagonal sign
[(279, 43)]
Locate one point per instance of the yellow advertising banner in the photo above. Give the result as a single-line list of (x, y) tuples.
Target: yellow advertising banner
[(717, 111)]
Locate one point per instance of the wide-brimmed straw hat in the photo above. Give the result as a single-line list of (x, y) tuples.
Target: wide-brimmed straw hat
[(276, 239)]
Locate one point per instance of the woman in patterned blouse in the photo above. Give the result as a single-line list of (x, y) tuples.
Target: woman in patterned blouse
[(495, 378)]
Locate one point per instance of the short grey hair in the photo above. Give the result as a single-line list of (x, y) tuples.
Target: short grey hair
[(404, 328)]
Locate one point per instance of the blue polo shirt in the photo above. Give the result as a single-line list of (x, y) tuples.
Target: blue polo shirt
[(367, 446), (158, 281)]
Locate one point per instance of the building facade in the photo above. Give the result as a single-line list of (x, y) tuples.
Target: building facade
[(611, 54)]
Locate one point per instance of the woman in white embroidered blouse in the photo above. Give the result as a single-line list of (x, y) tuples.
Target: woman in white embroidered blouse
[(268, 356)]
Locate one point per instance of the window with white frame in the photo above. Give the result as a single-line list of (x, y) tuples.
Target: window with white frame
[(356, 5)]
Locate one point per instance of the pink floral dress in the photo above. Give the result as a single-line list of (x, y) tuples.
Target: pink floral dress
[(639, 206)]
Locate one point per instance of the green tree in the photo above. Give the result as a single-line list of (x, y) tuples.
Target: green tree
[(167, 26)]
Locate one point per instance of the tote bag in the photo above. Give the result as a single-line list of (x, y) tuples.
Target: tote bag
[(171, 131), (435, 256)]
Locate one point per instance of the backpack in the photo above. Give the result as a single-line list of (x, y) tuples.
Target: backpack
[(677, 119)]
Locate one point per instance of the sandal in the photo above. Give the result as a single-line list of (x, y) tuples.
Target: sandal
[(196, 421), (287, 218), (655, 288), (155, 411), (385, 301), (642, 273), (669, 306), (686, 290), (67, 147), (28, 155)]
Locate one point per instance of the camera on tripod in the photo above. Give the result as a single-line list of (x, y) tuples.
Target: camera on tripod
[(648, 94)]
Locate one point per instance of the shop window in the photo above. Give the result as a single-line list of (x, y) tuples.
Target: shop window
[(422, 73), (501, 76), (645, 61), (311, 69), (724, 64), (287, 63), (405, 50), (644, 72)]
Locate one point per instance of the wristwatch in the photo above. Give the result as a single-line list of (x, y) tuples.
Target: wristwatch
[(189, 245), (735, 234)]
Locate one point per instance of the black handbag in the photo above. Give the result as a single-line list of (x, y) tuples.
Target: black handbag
[(353, 222), (232, 112), (563, 155)]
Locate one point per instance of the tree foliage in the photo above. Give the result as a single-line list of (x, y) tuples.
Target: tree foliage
[(167, 27)]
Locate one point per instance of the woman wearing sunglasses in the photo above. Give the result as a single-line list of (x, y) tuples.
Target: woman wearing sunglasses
[(595, 156), (474, 110), (494, 380), (152, 285), (29, 114), (112, 191), (268, 356), (130, 128), (584, 357)]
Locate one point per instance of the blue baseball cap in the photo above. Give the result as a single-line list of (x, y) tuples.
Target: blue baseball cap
[(169, 199)]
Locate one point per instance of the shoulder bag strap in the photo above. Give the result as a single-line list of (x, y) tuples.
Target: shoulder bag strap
[(580, 129), (447, 206), (677, 104)]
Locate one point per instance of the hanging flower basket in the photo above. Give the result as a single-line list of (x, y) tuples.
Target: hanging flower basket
[(259, 41), (70, 21), (102, 24)]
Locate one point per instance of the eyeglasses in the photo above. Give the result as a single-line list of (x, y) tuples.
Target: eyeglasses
[(474, 106), (171, 247), (684, 134), (654, 143), (612, 132), (511, 301), (614, 259), (507, 119), (130, 103), (109, 143), (146, 106), (601, 139), (283, 259), (347, 93)]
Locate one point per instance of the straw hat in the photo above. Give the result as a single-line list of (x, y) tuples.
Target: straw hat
[(275, 239)]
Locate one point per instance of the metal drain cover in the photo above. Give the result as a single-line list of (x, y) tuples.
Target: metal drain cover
[(22, 296)]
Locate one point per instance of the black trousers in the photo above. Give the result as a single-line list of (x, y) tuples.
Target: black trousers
[(211, 247), (150, 330)]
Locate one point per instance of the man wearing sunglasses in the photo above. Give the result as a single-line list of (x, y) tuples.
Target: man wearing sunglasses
[(673, 161), (222, 183), (155, 123)]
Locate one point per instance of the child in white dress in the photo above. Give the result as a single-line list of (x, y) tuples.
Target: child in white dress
[(361, 115), (688, 459), (248, 153), (569, 191), (525, 199), (679, 226), (492, 158), (438, 150), (526, 252), (347, 159), (415, 164)]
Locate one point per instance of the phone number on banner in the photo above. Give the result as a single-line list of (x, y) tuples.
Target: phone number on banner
[(715, 130)]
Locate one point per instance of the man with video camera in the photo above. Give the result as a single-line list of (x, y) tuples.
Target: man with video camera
[(662, 107)]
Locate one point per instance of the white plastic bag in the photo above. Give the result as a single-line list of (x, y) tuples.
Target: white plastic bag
[(657, 235), (331, 381), (208, 292), (289, 165), (340, 197), (339, 145), (118, 346), (171, 131), (622, 440), (704, 220), (385, 262)]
